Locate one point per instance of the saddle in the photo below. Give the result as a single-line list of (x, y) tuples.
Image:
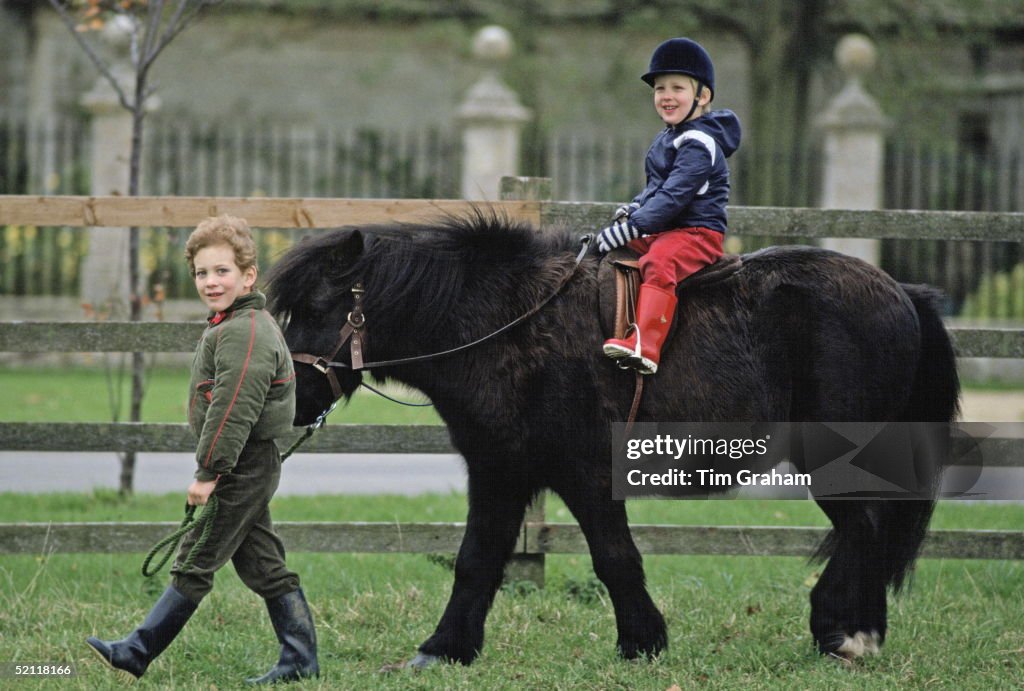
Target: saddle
[(618, 278)]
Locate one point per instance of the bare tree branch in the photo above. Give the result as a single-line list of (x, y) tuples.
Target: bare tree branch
[(730, 21), (180, 21), (169, 32), (155, 12), (103, 68), (133, 36)]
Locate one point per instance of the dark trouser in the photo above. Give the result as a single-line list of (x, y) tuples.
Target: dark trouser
[(242, 531)]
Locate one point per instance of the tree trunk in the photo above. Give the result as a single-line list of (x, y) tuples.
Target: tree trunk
[(127, 480), (783, 54)]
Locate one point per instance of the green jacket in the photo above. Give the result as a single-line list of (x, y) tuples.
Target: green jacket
[(243, 385)]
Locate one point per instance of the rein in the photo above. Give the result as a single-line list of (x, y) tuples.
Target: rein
[(189, 523), (205, 520), (351, 333)]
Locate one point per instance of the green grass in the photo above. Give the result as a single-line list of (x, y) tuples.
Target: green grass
[(108, 505), (733, 622), (83, 394)]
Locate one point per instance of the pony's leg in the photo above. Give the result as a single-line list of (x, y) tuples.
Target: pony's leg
[(873, 547), (496, 509), (848, 603), (617, 562)]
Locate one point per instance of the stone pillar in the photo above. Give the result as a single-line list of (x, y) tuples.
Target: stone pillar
[(854, 129), (491, 118), (42, 90), (105, 276)]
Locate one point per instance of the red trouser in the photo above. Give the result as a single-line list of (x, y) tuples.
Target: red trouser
[(669, 257)]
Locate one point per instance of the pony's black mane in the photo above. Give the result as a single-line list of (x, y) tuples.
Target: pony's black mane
[(433, 262)]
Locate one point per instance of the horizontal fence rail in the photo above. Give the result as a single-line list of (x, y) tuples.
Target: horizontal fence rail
[(535, 539), (260, 212), (287, 212), (177, 437), (99, 337), (538, 537), (172, 337), (825, 223)]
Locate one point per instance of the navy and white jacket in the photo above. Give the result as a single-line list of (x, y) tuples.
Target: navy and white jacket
[(687, 175)]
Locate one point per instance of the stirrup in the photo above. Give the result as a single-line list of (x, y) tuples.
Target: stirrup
[(640, 366), (638, 363), (618, 353)]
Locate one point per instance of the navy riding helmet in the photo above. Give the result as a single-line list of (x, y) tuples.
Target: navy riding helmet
[(682, 56)]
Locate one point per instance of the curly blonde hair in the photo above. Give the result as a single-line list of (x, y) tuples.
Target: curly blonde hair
[(222, 230)]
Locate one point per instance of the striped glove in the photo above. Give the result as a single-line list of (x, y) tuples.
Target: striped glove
[(625, 210), (616, 235)]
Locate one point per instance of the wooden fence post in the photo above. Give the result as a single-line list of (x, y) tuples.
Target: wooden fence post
[(524, 566)]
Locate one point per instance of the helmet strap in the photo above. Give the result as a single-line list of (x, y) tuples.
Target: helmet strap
[(696, 100)]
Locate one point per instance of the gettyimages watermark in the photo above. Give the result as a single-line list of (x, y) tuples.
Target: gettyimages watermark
[(834, 460)]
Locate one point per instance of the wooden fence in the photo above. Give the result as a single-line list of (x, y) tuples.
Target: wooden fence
[(261, 158), (538, 537)]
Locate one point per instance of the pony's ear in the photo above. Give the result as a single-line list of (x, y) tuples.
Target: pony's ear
[(350, 247)]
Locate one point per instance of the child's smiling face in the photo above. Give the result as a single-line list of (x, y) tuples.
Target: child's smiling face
[(219, 281), (674, 95)]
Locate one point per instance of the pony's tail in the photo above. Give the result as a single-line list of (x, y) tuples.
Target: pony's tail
[(935, 397), (936, 393)]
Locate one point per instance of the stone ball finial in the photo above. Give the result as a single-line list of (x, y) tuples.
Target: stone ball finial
[(492, 44), (118, 30), (856, 55)]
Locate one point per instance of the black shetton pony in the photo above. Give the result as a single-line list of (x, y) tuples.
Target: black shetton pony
[(799, 334)]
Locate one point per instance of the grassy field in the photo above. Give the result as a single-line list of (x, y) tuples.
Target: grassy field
[(83, 394), (735, 621)]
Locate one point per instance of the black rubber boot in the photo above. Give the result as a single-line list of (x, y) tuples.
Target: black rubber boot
[(293, 624), (132, 655)]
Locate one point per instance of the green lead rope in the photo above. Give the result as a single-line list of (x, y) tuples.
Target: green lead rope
[(205, 520), (189, 523)]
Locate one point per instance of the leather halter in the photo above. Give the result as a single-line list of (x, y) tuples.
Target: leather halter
[(352, 332)]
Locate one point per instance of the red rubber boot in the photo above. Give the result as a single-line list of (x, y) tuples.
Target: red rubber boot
[(641, 348)]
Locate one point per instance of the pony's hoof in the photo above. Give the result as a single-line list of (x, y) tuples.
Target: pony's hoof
[(649, 650), (846, 648), (860, 645), (422, 661)]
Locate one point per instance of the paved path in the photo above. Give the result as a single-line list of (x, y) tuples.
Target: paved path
[(993, 406), (303, 473)]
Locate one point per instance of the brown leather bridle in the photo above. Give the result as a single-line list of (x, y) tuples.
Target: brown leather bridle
[(351, 332)]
